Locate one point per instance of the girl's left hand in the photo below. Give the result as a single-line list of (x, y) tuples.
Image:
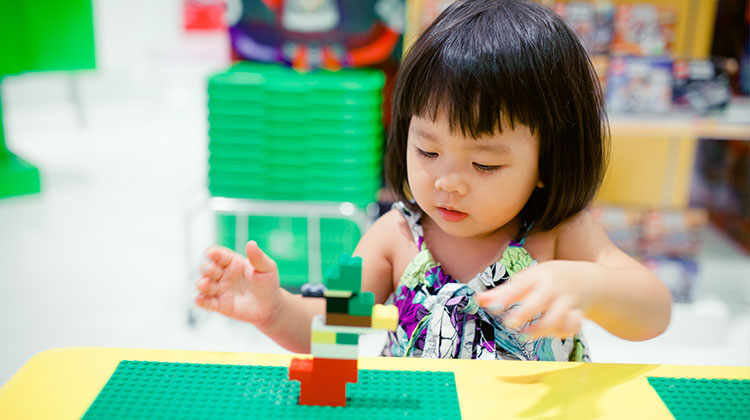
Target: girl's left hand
[(555, 289)]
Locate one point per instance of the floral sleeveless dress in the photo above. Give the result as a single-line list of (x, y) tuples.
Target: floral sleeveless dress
[(439, 317)]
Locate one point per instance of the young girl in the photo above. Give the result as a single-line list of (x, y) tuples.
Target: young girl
[(495, 149)]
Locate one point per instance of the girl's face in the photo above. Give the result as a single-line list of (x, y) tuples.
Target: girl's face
[(470, 187)]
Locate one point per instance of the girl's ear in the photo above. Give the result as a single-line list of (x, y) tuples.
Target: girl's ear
[(539, 184)]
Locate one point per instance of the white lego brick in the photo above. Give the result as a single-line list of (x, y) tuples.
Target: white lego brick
[(334, 351)]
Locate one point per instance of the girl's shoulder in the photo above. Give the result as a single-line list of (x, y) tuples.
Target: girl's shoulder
[(386, 249), (391, 233), (580, 237)]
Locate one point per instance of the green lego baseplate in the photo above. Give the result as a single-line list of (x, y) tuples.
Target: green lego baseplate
[(158, 390), (692, 398)]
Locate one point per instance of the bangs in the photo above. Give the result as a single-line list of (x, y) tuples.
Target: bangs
[(480, 78)]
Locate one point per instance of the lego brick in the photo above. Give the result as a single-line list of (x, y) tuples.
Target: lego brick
[(323, 381), (345, 369), (334, 351), (351, 272), (361, 304), (323, 337), (337, 293), (348, 320), (180, 390), (337, 305), (346, 338), (319, 324), (692, 398), (347, 275), (385, 317)]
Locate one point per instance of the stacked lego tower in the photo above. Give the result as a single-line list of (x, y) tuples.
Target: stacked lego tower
[(334, 337)]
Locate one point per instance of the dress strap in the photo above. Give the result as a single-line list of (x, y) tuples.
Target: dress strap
[(414, 220), (523, 231)]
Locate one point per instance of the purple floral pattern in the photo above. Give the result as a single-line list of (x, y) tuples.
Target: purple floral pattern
[(439, 317)]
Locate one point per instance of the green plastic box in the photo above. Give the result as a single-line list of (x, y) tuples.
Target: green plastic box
[(285, 240)]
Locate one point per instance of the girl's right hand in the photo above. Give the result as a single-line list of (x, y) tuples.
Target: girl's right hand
[(242, 288)]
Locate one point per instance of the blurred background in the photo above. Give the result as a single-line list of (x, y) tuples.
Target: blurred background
[(134, 134)]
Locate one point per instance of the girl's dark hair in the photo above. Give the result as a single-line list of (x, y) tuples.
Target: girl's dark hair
[(483, 59)]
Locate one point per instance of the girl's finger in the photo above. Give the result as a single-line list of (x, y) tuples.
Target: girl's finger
[(205, 302), (220, 255), (572, 324), (552, 322), (261, 262), (537, 301), (211, 271), (202, 284), (498, 299)]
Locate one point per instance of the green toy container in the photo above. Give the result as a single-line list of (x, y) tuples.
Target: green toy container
[(285, 240)]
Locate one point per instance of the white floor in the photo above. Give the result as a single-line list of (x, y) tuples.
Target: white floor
[(99, 257)]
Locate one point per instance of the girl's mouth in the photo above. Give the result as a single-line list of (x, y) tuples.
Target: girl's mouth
[(451, 215)]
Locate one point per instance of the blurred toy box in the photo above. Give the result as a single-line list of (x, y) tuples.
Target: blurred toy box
[(699, 86), (624, 226), (678, 274), (639, 85), (666, 241), (644, 29), (592, 21), (672, 233)]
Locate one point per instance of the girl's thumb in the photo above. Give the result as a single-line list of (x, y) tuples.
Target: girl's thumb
[(261, 262)]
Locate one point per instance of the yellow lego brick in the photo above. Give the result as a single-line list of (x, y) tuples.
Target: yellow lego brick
[(338, 293), (323, 337), (384, 317)]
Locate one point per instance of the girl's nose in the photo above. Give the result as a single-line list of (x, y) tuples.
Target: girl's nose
[(451, 183)]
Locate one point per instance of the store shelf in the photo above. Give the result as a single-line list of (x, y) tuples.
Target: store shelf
[(732, 123)]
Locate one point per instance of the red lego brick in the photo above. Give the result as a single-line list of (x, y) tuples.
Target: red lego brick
[(323, 381)]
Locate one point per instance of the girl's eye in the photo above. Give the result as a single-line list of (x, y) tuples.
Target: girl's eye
[(487, 168), (429, 155)]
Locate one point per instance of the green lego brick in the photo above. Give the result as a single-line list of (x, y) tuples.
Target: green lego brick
[(691, 398), (361, 304), (346, 276), (346, 338), (157, 390), (17, 177)]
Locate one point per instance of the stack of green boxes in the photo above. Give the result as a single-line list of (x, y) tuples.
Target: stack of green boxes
[(277, 134)]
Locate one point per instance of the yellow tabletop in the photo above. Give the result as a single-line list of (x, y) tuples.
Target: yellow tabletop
[(62, 383)]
